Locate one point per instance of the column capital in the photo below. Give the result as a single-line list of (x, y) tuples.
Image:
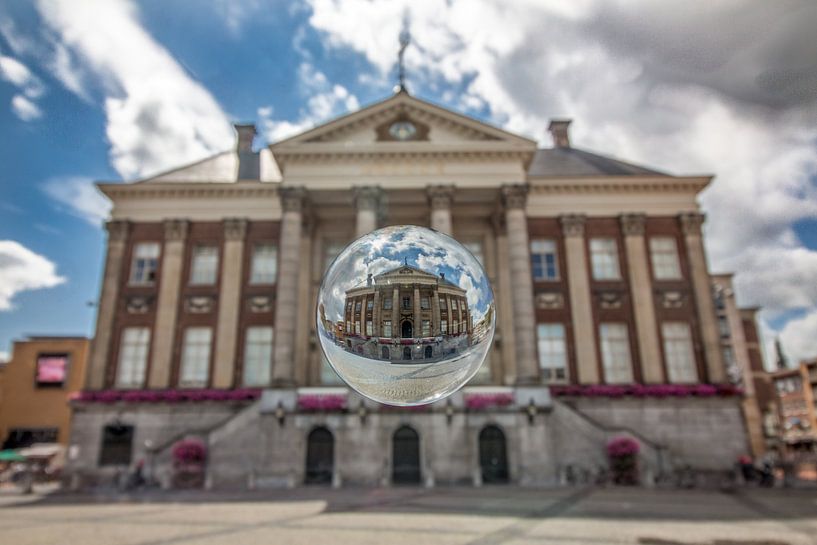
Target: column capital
[(573, 225), (632, 225), (440, 196), (691, 222), (367, 197), (176, 229), (118, 230), (292, 198), (235, 228), (514, 195)]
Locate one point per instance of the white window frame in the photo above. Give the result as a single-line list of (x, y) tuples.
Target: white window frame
[(264, 264), (679, 354), (258, 356), (604, 259), (369, 328), (664, 257), (552, 350), (544, 254), (195, 364), (425, 328), (133, 357), (357, 327), (203, 265), (145, 263), (444, 327), (387, 332), (615, 353)]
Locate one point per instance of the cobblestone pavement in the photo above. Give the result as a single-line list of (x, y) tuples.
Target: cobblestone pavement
[(486, 516)]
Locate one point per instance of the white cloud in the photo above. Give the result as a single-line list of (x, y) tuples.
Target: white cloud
[(80, 197), (23, 270), (25, 109), (697, 87), (324, 101), (4, 356), (158, 116), (799, 338)]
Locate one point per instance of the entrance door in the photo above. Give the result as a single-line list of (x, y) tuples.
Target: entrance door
[(320, 456), (493, 459), (406, 329), (405, 456)]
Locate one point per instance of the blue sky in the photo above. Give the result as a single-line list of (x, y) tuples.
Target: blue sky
[(117, 90)]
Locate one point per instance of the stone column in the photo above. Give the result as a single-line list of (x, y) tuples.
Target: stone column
[(229, 302), (439, 199), (435, 313), (418, 332), (167, 306), (581, 309), (98, 364), (367, 201), (649, 347), (376, 313), (395, 312), (286, 297), (524, 320), (691, 226)]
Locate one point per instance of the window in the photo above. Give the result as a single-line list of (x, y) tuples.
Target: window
[(543, 259), (406, 353), (604, 259), (426, 324), (384, 352), (52, 370), (204, 265), (358, 306), (443, 304), (678, 352), (387, 303), (475, 247), (369, 304), (195, 367), (348, 326), (331, 249), (25, 437), (444, 327), (257, 356), (406, 303), (387, 328), (357, 327), (145, 263), (428, 352), (453, 304), (723, 327), (133, 357), (117, 443), (424, 303), (552, 351), (369, 331), (664, 257), (615, 353), (264, 264)]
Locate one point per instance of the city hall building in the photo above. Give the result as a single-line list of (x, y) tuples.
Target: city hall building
[(607, 317)]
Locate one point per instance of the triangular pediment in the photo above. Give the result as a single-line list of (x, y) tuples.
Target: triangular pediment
[(425, 122)]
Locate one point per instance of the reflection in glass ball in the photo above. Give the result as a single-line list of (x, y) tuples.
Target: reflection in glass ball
[(405, 315)]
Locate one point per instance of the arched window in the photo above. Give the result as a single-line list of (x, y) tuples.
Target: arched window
[(493, 457), (406, 353), (405, 456), (320, 456), (384, 352), (428, 352)]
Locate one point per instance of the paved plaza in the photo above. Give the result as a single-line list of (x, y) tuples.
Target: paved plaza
[(486, 516)]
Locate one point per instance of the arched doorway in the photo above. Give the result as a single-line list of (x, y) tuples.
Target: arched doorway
[(406, 353), (428, 352), (405, 456), (493, 457), (320, 456), (384, 352), (406, 329)]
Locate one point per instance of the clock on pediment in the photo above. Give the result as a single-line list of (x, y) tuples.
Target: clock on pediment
[(402, 129)]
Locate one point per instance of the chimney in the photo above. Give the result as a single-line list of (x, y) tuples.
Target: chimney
[(246, 133), (559, 131)]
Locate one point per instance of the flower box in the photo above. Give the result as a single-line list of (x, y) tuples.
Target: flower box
[(483, 401), (322, 402)]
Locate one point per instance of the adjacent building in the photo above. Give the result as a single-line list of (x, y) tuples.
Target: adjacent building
[(796, 390), (37, 382), (606, 318)]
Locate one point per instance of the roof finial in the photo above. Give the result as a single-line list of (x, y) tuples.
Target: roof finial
[(405, 40), (405, 261)]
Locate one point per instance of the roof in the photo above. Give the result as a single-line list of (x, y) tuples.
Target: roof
[(577, 162)]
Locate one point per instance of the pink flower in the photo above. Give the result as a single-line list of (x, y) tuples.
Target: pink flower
[(189, 451), (622, 446), (322, 402), (482, 401)]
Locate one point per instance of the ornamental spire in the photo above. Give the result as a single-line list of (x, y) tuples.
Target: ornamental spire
[(405, 40)]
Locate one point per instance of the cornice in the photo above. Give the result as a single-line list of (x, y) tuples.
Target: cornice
[(620, 184), (181, 190)]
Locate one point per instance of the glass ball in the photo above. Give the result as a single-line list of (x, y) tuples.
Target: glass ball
[(405, 315)]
